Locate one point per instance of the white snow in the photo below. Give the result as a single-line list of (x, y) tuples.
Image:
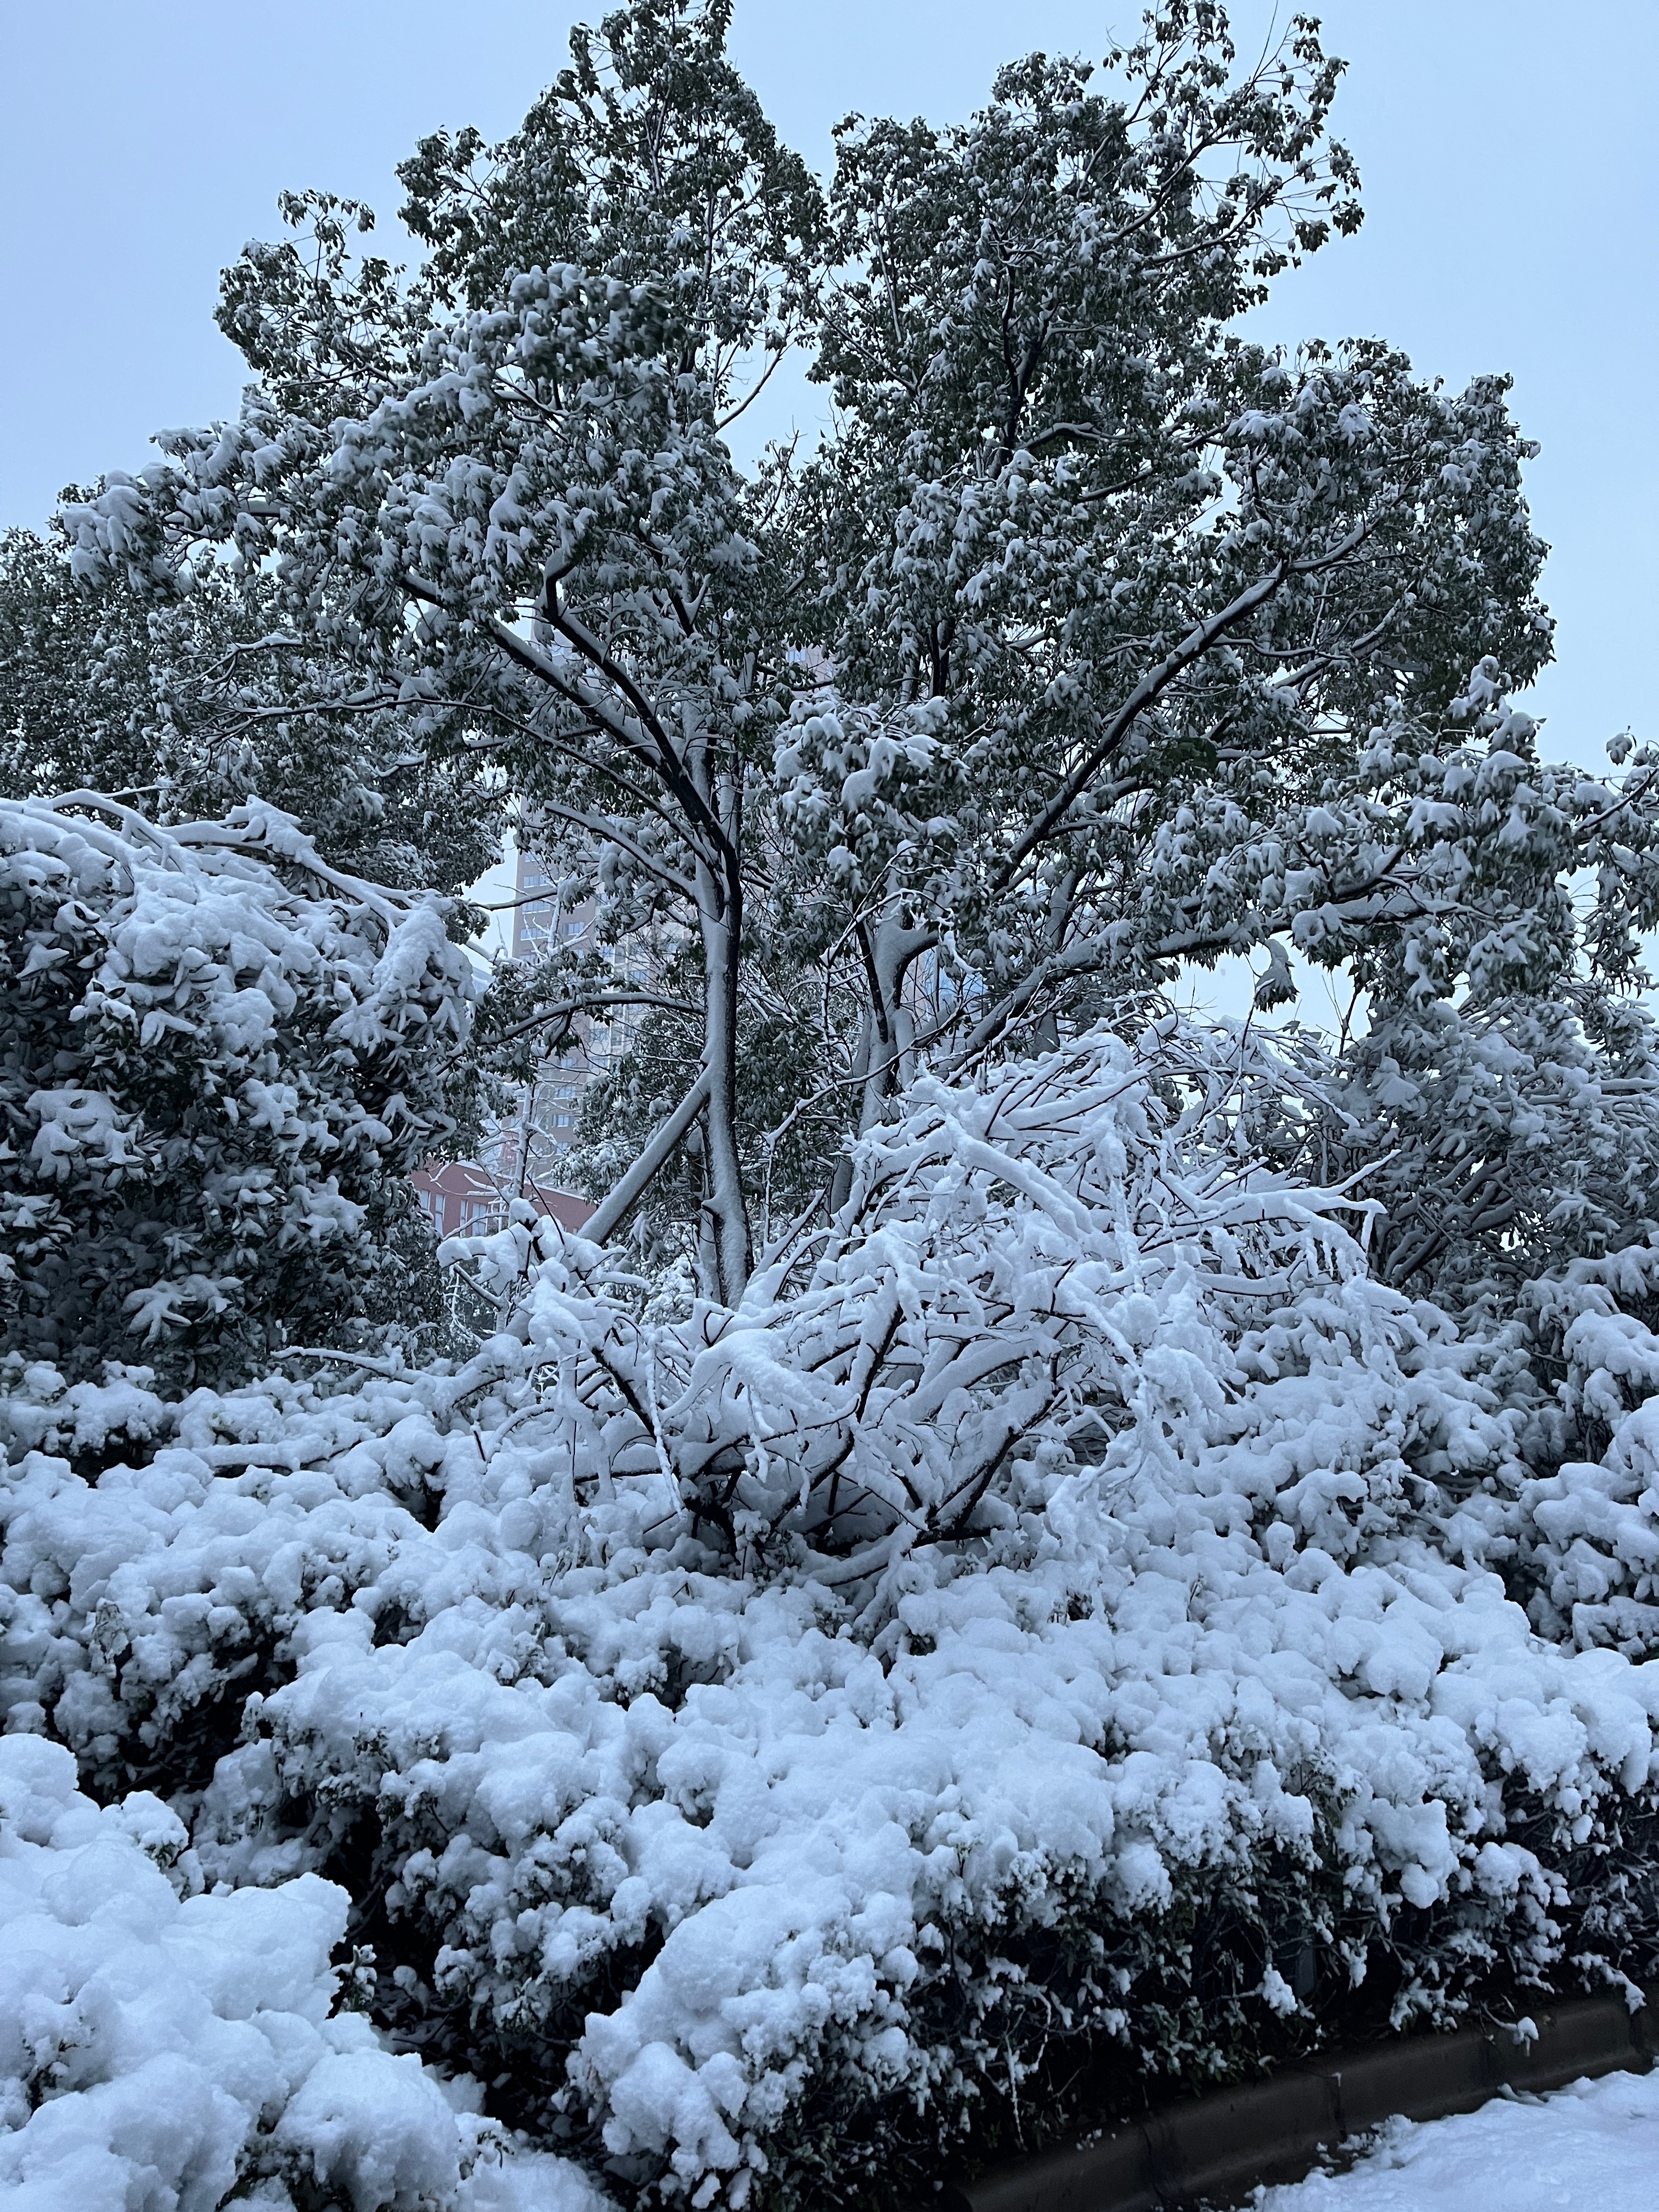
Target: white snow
[(1168, 1550), (1175, 1554), (1592, 2148), (159, 2046), (1232, 1601)]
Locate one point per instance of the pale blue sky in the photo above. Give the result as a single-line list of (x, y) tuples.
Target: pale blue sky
[(1510, 215)]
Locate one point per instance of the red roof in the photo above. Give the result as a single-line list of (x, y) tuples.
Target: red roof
[(455, 1192)]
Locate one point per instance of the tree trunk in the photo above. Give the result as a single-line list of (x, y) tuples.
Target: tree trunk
[(721, 939)]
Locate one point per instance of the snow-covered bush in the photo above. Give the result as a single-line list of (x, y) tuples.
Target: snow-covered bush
[(217, 1055), (160, 2045), (1585, 1529), (745, 1838)]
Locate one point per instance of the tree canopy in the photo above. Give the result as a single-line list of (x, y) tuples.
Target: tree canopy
[(1093, 643)]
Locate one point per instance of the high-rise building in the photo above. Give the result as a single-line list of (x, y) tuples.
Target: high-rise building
[(522, 1154), (601, 1041)]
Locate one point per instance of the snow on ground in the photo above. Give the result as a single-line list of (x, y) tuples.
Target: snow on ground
[(1591, 2148)]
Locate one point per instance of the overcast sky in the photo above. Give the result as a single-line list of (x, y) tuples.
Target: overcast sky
[(1510, 215)]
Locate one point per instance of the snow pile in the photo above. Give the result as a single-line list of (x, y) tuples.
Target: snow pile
[(1075, 1599), (1594, 2143), (159, 2046)]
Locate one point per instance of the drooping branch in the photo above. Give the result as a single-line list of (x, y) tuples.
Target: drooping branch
[(587, 1002)]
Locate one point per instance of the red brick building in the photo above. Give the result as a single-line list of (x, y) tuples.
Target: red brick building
[(461, 1198)]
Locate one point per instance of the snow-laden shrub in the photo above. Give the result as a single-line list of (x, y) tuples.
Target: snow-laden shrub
[(160, 2045), (217, 1055), (1585, 1530), (1047, 1273), (1504, 1137), (746, 1833)]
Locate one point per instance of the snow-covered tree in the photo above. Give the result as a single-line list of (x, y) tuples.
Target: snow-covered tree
[(219, 1059), (499, 494), (1094, 644), (1080, 1550), (190, 702), (516, 519)]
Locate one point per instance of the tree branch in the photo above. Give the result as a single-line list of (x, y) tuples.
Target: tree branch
[(1153, 685), (604, 1225)]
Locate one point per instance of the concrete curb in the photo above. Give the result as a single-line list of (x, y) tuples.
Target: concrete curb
[(1219, 2147)]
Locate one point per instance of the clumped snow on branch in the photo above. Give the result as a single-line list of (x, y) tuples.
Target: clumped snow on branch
[(216, 1056)]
